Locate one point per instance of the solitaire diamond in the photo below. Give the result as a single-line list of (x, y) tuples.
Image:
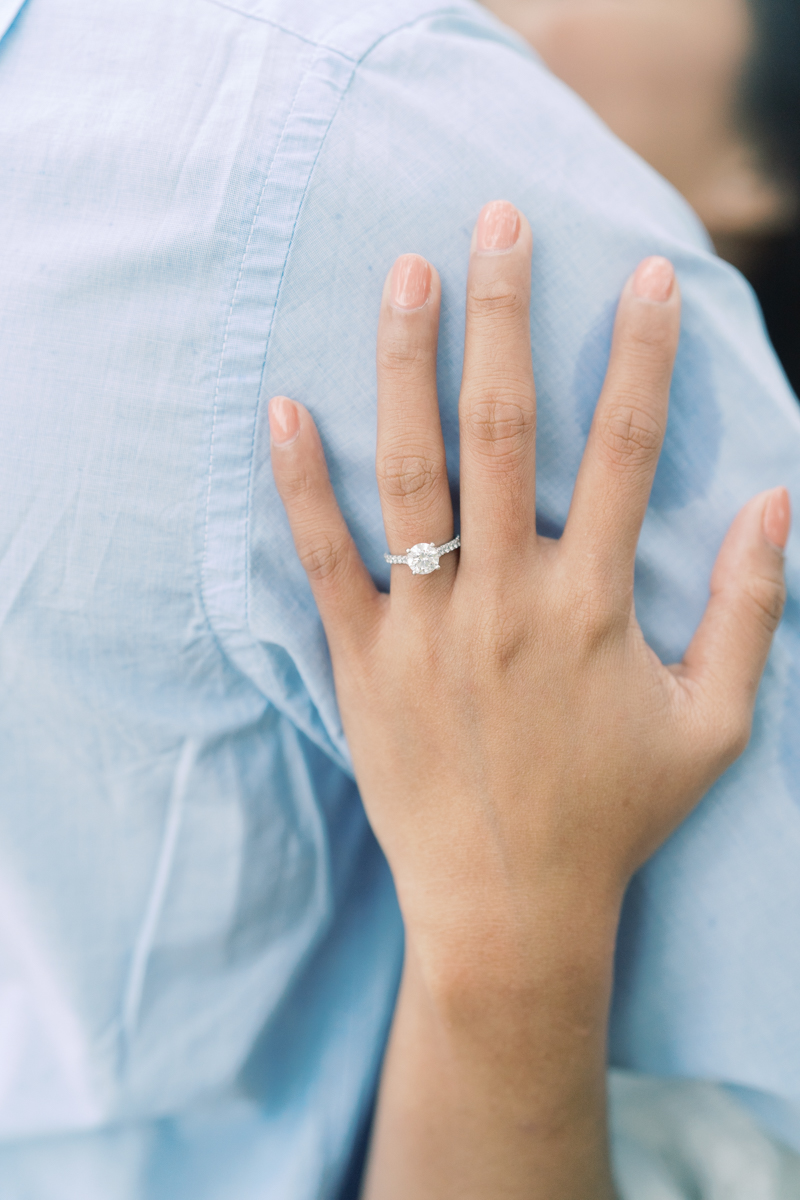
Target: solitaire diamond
[(423, 558)]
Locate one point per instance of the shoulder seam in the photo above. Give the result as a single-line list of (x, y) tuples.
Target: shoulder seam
[(382, 37), (247, 16), (326, 44)]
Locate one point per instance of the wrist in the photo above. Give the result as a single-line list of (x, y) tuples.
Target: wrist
[(476, 939), (501, 1023), (525, 1053)]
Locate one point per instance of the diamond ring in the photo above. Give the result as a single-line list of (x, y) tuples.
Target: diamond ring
[(424, 557)]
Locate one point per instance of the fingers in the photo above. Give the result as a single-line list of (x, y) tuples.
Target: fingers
[(345, 595), (729, 650), (497, 408), (616, 475), (410, 459)]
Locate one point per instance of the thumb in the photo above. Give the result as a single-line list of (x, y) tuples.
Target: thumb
[(728, 653)]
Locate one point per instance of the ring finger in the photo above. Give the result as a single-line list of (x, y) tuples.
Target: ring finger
[(410, 463)]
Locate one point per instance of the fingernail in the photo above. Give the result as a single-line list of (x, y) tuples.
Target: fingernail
[(411, 282), (498, 227), (654, 279), (778, 518), (284, 423)]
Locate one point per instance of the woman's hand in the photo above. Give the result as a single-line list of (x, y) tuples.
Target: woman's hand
[(509, 725), (519, 748)]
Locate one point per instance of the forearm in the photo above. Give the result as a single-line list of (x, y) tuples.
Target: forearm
[(494, 1080)]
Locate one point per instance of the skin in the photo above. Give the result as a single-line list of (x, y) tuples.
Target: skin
[(552, 751), (665, 76)]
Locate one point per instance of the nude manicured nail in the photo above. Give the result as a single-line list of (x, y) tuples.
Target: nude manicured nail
[(778, 518), (411, 282), (654, 279), (284, 422), (498, 227)]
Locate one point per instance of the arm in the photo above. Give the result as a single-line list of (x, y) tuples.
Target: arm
[(519, 748), (494, 1081)]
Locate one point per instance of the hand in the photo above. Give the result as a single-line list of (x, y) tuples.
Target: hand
[(519, 748), (508, 723)]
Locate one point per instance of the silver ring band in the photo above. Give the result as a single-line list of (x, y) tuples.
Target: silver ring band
[(424, 557)]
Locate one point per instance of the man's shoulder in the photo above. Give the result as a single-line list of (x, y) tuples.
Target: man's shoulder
[(353, 27)]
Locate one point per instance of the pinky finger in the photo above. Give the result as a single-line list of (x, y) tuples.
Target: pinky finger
[(347, 599)]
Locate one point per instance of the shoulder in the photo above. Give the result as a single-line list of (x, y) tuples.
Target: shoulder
[(353, 27)]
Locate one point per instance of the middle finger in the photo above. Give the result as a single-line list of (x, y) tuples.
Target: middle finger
[(497, 408)]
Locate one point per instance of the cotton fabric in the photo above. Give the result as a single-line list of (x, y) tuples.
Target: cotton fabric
[(199, 938)]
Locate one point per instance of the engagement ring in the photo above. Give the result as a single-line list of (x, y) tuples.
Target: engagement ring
[(424, 557)]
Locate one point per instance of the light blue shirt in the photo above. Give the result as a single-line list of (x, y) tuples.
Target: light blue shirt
[(199, 940)]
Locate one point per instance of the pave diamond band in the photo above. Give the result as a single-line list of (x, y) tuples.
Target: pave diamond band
[(424, 557)]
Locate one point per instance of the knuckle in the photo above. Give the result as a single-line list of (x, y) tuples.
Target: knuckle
[(739, 737), (408, 478), (734, 733), (592, 616), (650, 342), (650, 335), (500, 634), (298, 489), (765, 599), (496, 299), (322, 559), (397, 357), (501, 422), (630, 436)]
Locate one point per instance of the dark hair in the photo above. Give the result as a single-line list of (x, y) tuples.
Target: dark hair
[(772, 84), (771, 107)]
